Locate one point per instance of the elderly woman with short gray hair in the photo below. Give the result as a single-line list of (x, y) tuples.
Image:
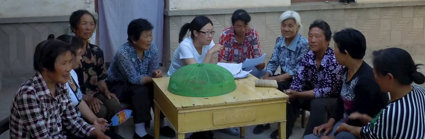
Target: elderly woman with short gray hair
[(288, 51)]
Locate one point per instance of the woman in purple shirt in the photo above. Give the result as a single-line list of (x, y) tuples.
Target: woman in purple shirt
[(317, 81)]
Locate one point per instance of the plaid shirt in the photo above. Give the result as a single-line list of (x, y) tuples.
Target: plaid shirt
[(233, 51), (36, 113)]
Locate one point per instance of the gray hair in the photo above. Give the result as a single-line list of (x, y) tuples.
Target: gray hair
[(291, 15)]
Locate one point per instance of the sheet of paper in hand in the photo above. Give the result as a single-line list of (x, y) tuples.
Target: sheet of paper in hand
[(249, 63)]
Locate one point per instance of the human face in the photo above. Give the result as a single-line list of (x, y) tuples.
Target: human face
[(144, 41), (85, 27), (381, 80), (289, 28), (205, 34), (76, 59), (340, 57), (317, 40), (240, 28), (63, 65)]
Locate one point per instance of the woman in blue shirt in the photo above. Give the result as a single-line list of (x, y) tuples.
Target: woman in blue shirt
[(131, 72)]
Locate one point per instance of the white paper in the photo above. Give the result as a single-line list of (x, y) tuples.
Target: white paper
[(242, 74), (235, 69), (249, 63), (231, 67)]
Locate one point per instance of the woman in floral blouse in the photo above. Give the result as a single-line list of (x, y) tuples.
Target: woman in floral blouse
[(317, 82)]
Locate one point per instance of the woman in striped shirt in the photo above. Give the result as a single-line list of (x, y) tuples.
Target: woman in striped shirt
[(394, 71)]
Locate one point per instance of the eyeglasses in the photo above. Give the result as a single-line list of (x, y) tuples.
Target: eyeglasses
[(208, 32)]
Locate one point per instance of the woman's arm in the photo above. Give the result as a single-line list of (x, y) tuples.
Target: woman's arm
[(211, 52), (87, 112)]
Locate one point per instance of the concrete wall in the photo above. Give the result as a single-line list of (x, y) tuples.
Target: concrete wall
[(378, 1), (18, 41), (398, 24), (220, 4), (37, 8)]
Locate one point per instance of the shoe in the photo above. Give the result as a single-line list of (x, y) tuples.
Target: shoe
[(167, 132), (147, 136), (273, 135), (260, 128)]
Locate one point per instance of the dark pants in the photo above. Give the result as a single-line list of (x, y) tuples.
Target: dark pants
[(139, 97), (320, 109), (109, 107)]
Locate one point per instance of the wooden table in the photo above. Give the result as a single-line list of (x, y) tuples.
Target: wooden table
[(247, 105)]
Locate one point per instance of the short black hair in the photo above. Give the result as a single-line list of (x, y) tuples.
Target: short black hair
[(46, 53), (399, 63), (75, 18), (73, 42), (242, 15), (136, 27), (324, 26), (352, 41)]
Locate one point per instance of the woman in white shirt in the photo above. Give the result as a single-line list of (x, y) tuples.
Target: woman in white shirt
[(198, 48)]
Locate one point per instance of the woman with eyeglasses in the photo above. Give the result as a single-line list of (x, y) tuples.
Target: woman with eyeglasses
[(198, 48)]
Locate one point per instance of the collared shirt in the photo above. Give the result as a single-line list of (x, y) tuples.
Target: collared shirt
[(36, 113), (92, 70), (128, 67), (233, 51), (325, 79), (287, 57)]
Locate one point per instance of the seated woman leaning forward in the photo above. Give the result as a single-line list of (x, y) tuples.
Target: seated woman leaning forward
[(130, 75), (41, 107), (403, 117), (317, 83), (359, 94), (198, 48)]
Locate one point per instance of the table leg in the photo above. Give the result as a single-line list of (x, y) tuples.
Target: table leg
[(180, 135), (282, 130), (156, 123), (242, 133)]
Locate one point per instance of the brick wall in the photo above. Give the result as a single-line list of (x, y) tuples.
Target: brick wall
[(384, 24)]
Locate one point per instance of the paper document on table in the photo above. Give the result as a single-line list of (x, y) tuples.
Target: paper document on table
[(235, 69), (248, 63), (231, 67)]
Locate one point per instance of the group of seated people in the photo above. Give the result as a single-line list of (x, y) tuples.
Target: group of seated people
[(73, 95)]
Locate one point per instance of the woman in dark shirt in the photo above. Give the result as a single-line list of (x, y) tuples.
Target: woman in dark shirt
[(359, 93), (403, 117)]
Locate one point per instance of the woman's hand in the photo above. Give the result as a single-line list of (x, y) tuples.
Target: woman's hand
[(362, 117), (291, 93), (110, 95), (324, 129), (157, 74), (101, 124), (216, 48), (94, 104)]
